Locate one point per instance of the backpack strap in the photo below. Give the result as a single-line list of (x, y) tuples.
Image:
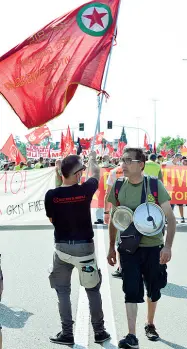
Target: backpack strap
[(153, 183), (143, 197), (118, 185)]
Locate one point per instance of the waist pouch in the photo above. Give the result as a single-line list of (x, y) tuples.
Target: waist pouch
[(87, 268), (129, 240)]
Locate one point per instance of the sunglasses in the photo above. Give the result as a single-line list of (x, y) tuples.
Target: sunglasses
[(129, 161), (83, 168)]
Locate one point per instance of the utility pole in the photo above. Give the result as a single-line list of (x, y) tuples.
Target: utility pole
[(155, 120), (138, 131)]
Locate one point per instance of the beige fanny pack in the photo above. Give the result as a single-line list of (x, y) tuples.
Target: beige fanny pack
[(87, 268)]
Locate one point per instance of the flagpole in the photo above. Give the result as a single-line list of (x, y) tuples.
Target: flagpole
[(100, 100)]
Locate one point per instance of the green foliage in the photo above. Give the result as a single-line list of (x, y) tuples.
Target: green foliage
[(2, 156), (171, 143), (46, 141), (21, 146)]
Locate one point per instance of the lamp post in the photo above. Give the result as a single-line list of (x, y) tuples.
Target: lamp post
[(138, 118), (155, 121)]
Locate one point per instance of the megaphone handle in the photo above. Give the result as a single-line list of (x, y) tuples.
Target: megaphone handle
[(149, 218)]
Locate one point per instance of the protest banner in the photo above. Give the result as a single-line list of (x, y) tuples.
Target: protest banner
[(23, 192), (22, 195), (35, 152)]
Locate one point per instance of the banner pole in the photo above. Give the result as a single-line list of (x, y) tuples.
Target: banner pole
[(100, 100)]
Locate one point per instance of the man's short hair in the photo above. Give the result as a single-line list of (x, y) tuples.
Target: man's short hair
[(41, 159), (69, 165), (139, 154), (152, 157), (159, 156)]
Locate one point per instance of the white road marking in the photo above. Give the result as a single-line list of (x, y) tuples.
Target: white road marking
[(105, 290), (82, 321)]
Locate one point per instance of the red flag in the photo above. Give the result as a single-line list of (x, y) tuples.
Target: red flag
[(40, 76), (62, 144), (10, 149), (154, 149), (49, 152), (99, 138), (121, 146), (146, 143), (69, 144), (36, 136), (85, 143), (110, 149)]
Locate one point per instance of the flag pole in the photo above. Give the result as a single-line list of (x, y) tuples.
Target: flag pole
[(100, 100)]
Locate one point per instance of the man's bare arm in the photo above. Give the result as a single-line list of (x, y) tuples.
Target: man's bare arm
[(93, 167), (107, 204), (112, 234), (171, 226), (165, 254)]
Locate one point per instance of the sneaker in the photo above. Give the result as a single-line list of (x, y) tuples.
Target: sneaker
[(150, 332), (102, 337), (182, 220), (63, 339), (117, 273), (130, 341)]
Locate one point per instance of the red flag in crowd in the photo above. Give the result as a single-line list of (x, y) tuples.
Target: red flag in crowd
[(154, 148), (10, 149), (146, 144), (120, 149), (108, 150), (39, 77), (98, 139), (49, 152), (62, 143), (36, 136), (85, 143), (69, 144)]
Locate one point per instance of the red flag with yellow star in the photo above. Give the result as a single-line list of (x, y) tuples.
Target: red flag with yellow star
[(40, 76)]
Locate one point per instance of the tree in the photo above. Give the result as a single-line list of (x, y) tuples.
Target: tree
[(21, 146), (168, 143), (46, 141), (123, 137)]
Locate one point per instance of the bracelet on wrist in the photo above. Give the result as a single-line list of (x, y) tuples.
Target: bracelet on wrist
[(106, 212)]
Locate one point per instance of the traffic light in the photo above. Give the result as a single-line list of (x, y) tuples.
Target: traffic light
[(81, 127), (109, 125)]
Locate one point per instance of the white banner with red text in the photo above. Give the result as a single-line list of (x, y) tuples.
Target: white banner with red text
[(22, 193)]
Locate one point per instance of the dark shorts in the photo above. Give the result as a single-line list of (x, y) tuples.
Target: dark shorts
[(173, 205), (143, 268)]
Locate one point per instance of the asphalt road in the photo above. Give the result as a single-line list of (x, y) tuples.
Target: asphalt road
[(29, 313)]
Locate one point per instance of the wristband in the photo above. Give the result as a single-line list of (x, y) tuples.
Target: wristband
[(107, 212)]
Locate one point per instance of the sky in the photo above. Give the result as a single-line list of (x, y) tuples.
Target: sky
[(147, 64)]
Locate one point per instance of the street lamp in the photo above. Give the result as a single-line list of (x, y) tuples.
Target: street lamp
[(155, 101), (138, 118)]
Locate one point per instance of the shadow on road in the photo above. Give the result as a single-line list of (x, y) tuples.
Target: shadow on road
[(172, 345), (13, 318), (181, 228), (176, 291)]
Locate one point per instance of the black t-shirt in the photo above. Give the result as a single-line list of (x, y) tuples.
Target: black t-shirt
[(69, 208)]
